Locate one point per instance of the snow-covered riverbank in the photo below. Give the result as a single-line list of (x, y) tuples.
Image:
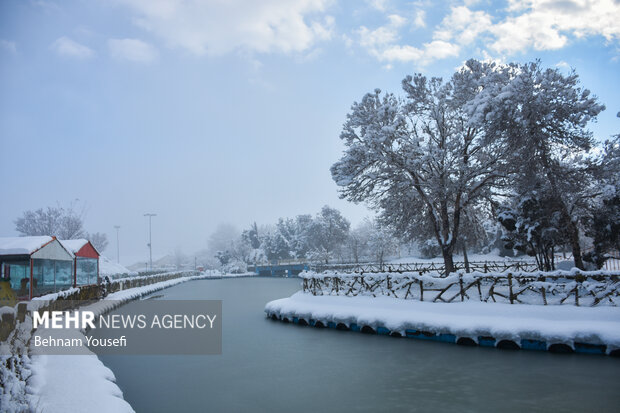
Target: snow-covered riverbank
[(77, 383), (567, 324)]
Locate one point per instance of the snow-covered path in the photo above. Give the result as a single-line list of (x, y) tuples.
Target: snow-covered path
[(74, 384), (553, 323), (82, 383)]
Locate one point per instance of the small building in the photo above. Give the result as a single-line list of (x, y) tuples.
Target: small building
[(34, 266), (85, 261)]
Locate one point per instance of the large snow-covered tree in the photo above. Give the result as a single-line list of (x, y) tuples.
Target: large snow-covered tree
[(421, 160), (603, 223), (541, 116), (64, 223)]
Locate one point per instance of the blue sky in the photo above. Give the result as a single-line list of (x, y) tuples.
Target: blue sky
[(208, 111)]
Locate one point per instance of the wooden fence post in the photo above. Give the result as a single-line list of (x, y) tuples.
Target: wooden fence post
[(510, 288), (421, 291)]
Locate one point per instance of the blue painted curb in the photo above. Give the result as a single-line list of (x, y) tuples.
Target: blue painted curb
[(482, 341)]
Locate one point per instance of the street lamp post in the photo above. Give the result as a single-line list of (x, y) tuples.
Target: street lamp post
[(118, 255), (150, 244)]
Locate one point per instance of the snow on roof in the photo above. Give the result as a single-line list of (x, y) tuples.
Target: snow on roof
[(73, 245), (107, 267), (22, 245)]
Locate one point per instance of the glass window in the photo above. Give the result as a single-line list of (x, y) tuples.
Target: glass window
[(18, 274), (86, 271), (50, 276), (64, 275)]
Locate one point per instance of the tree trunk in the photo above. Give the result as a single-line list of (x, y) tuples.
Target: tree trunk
[(465, 256), (574, 241), (447, 259), (572, 227)]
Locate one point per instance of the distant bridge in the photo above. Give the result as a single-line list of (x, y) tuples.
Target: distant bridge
[(279, 270)]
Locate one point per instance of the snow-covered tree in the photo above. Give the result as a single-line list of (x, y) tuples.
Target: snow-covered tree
[(535, 226), (64, 223), (223, 237), (371, 241), (297, 233), (603, 222), (477, 229), (275, 246), (541, 116), (357, 241), (230, 248), (423, 159), (381, 243), (329, 233), (98, 239), (251, 236)]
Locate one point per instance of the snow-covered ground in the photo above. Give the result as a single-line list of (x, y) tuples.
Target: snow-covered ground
[(81, 383), (74, 384), (552, 324)]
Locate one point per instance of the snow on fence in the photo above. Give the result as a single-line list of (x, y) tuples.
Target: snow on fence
[(67, 299), (548, 288), (425, 267), (132, 282)]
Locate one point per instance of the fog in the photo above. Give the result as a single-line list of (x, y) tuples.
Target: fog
[(220, 126)]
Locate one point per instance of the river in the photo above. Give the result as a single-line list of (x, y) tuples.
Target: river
[(269, 366)]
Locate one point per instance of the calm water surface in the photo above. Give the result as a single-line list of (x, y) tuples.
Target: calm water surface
[(269, 366)]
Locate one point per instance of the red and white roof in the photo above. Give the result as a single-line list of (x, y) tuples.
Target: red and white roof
[(22, 245), (39, 247), (80, 247)]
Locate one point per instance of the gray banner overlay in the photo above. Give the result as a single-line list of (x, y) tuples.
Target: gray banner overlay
[(146, 327)]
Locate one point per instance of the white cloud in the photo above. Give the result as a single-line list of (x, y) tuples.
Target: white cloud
[(383, 44), (8, 45), (420, 18), (64, 46), (527, 24), (381, 37), (134, 50), (398, 53), (439, 49), (533, 24), (463, 25), (378, 4), (216, 27)]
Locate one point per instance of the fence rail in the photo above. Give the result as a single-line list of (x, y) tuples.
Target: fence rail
[(425, 267), (554, 288)]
